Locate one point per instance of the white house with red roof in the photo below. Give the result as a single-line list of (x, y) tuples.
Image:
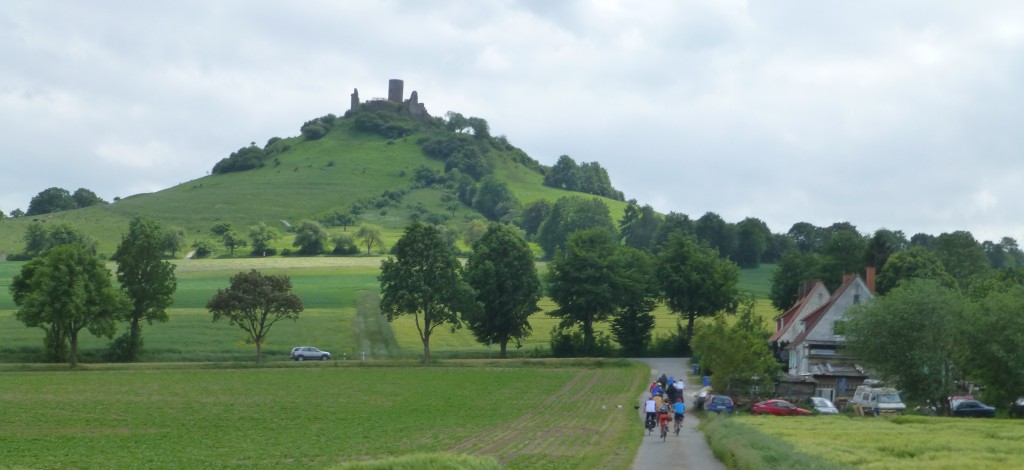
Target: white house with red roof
[(814, 350)]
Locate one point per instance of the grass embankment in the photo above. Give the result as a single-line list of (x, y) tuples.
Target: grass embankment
[(524, 414), (906, 442)]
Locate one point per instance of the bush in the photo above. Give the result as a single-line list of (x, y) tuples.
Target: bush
[(345, 245), (672, 345), (569, 343)]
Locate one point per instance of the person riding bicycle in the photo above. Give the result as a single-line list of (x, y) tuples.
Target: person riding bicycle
[(664, 417), (679, 408), (651, 410)]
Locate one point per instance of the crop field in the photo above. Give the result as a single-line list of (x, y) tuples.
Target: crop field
[(551, 414), (905, 442)]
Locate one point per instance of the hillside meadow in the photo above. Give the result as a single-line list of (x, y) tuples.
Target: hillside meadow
[(523, 414), (329, 288)]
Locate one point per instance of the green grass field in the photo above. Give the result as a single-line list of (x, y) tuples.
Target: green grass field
[(328, 287), (551, 414), (841, 441)]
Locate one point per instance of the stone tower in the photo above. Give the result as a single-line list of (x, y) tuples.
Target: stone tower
[(355, 99), (395, 91)]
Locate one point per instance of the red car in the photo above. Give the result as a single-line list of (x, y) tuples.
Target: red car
[(777, 408)]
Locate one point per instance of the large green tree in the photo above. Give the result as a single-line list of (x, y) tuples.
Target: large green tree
[(637, 291), (639, 225), (51, 200), (255, 302), (502, 273), (370, 236), (695, 281), (146, 278), (737, 352), (962, 256), (260, 236), (907, 336), (66, 290), (752, 236), (990, 342), (793, 270), (913, 263), (582, 281), (572, 214), (424, 279), (841, 254), (310, 238)]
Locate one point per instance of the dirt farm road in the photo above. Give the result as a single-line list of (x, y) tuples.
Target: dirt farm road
[(689, 450)]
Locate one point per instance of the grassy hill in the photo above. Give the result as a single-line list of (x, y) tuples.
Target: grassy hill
[(308, 180)]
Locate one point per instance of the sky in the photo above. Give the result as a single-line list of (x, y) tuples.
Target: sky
[(906, 115)]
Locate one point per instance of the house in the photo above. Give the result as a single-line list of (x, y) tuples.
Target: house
[(814, 350)]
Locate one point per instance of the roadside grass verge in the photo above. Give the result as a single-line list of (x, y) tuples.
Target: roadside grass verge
[(546, 414), (905, 442), (743, 447)]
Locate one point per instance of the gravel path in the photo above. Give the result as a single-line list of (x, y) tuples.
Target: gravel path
[(689, 450)]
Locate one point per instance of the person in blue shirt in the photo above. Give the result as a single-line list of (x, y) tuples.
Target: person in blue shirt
[(678, 408)]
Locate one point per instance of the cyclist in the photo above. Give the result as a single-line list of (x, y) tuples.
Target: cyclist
[(664, 417), (651, 411), (678, 408)]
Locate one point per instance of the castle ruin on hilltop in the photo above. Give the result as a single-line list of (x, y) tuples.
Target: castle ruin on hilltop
[(411, 106)]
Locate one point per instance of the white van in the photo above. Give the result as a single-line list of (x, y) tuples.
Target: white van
[(878, 400)]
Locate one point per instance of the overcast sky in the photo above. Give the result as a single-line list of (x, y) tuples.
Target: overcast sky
[(903, 115)]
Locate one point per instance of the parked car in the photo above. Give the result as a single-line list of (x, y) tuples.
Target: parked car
[(301, 353), (973, 409), (1017, 408), (777, 408), (718, 404), (824, 406)]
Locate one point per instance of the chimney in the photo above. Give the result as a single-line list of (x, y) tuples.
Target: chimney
[(870, 278)]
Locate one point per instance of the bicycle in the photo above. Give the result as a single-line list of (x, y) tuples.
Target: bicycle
[(679, 422), (664, 431), (649, 424)]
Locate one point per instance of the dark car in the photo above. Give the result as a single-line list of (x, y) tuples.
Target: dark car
[(1017, 408), (301, 353), (777, 408), (718, 404), (973, 409)]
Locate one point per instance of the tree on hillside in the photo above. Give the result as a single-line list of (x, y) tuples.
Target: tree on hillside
[(474, 231), (716, 233), (220, 228), (173, 240), (907, 336), (807, 236), (260, 236), (842, 253), (639, 225), (256, 302), (424, 279), (495, 200), (571, 214), (564, 174), (51, 200), (695, 281), (534, 215), (673, 222), (369, 235), (923, 240), (502, 273), (582, 281), (913, 263), (231, 240), (40, 238), (882, 245), (146, 279), (962, 256), (792, 271), (637, 293), (752, 236), (310, 238), (66, 290), (85, 198)]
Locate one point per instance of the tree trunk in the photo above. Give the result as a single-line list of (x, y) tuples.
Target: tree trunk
[(689, 327), (588, 337), (74, 350), (259, 350), (504, 344), (426, 349)]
